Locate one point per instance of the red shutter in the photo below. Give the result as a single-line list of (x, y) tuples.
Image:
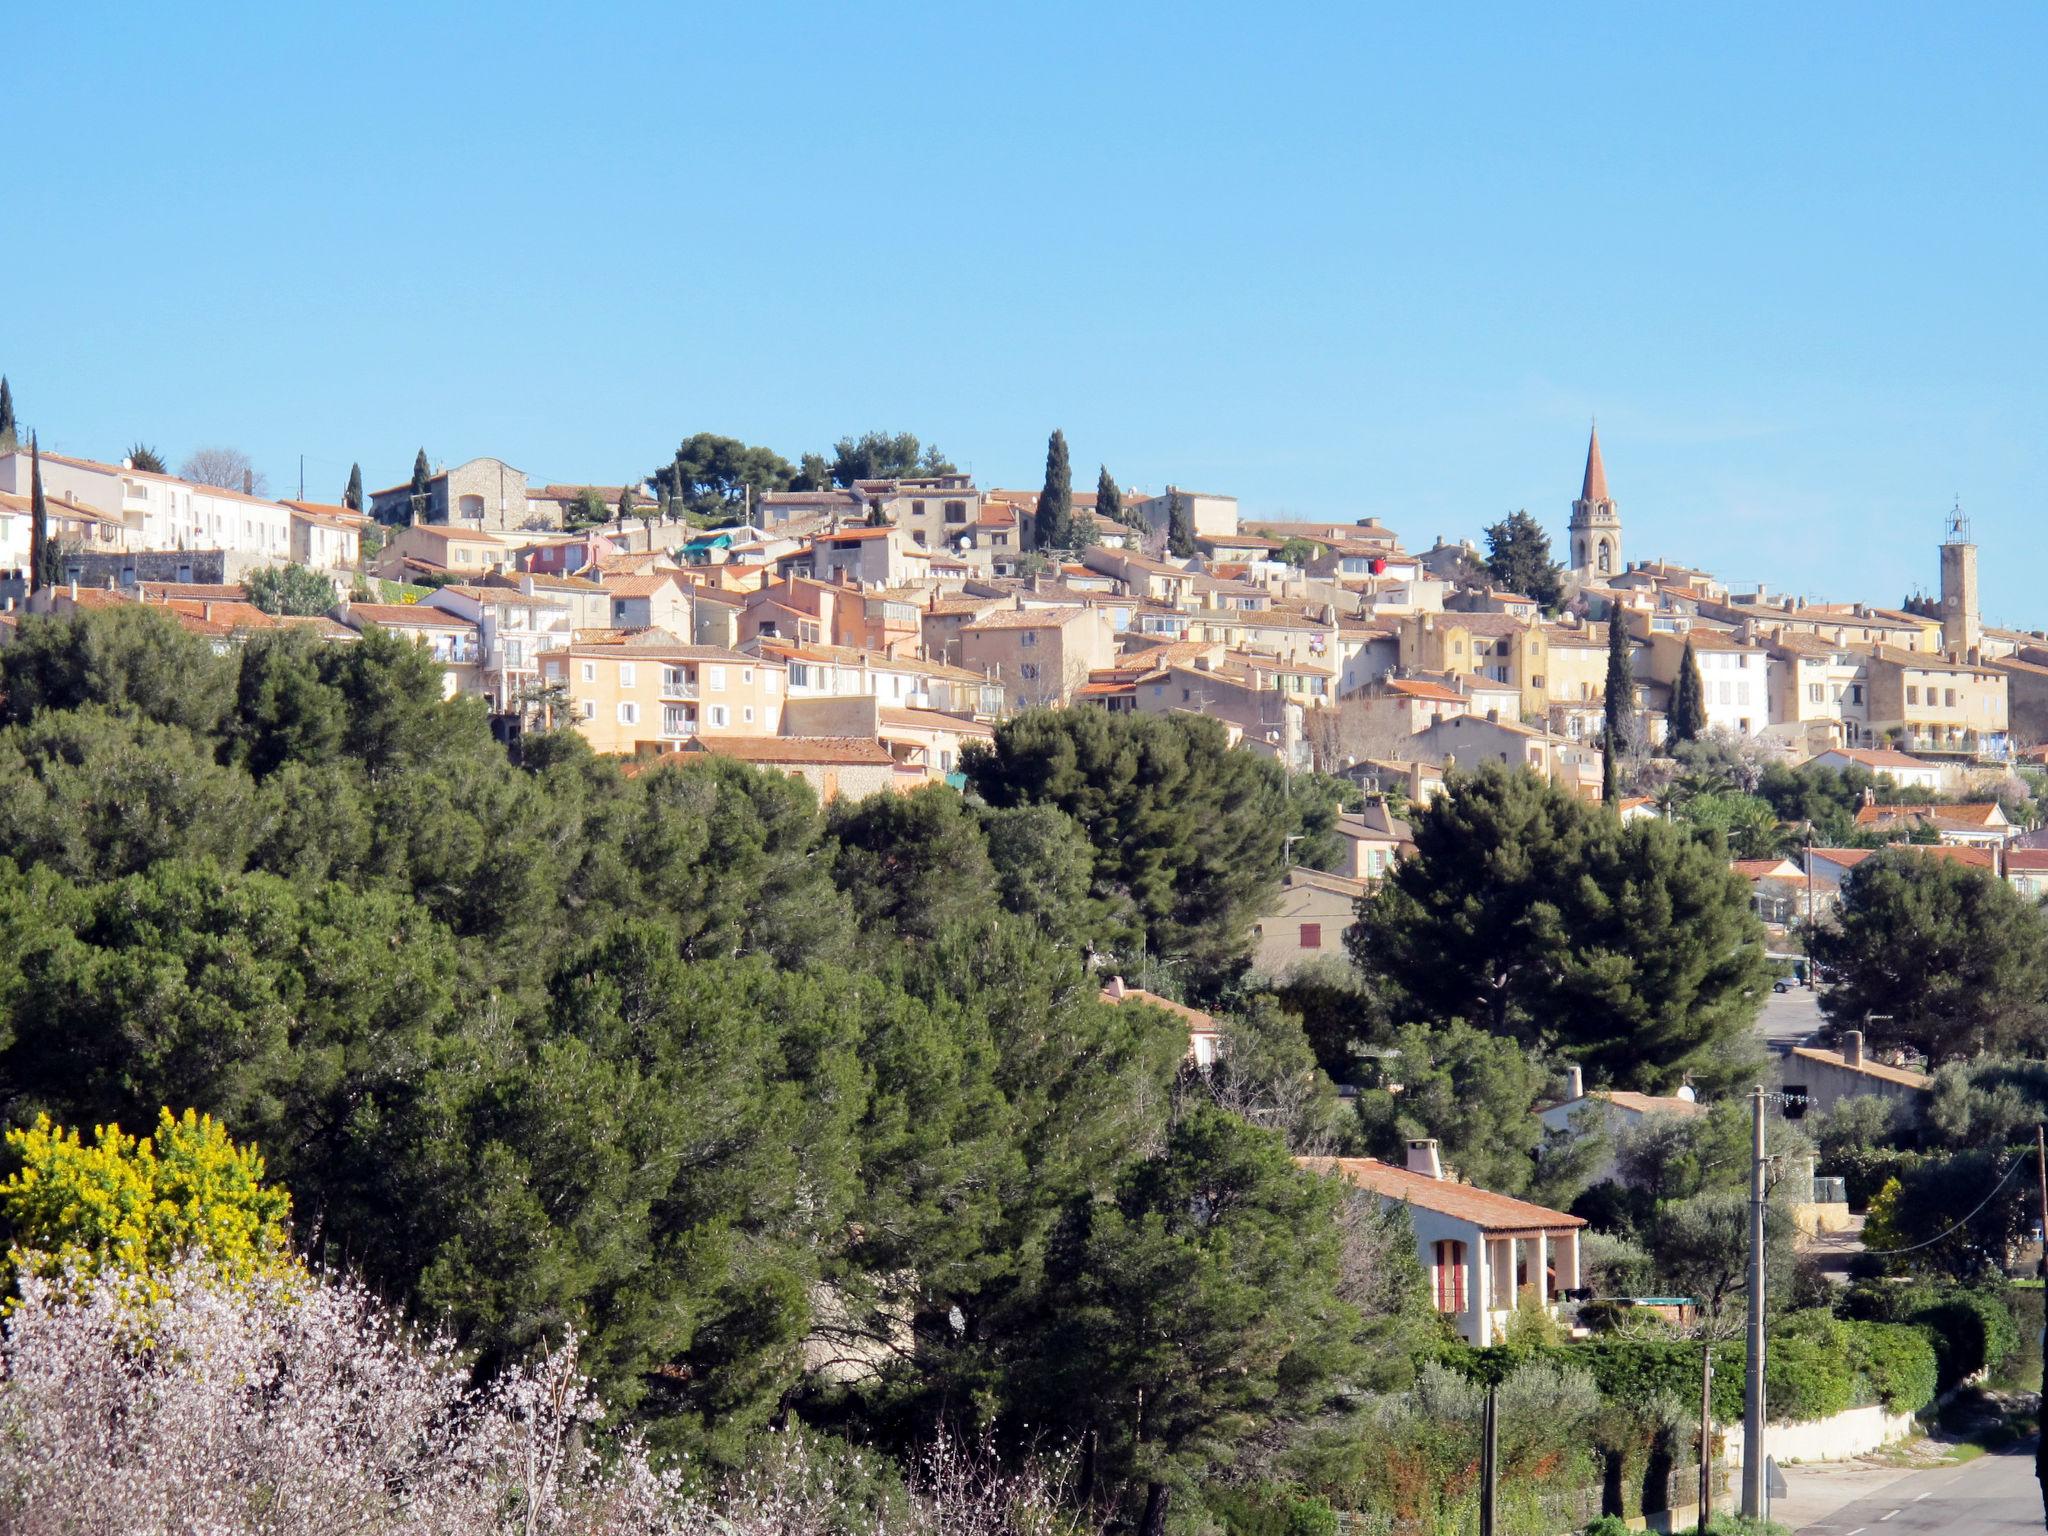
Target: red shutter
[(1311, 935)]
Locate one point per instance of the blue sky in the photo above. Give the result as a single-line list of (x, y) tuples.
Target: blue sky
[(1338, 260)]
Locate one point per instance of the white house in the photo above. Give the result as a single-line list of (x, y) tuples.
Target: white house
[(1612, 1111), (1906, 772), (1479, 1250), (162, 512)]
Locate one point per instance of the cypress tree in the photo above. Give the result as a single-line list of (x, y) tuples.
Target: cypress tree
[(1180, 528), (1621, 686), (1109, 501), (1610, 781), (1053, 527), (1688, 699), (8, 439), (352, 498), (416, 503), (45, 569)]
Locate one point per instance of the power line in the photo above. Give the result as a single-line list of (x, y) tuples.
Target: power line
[(1885, 1253)]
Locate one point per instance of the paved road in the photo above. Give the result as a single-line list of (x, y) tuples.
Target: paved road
[(1788, 1018), (1993, 1494)]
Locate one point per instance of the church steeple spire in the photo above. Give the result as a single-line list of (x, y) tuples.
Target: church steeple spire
[(1595, 488)]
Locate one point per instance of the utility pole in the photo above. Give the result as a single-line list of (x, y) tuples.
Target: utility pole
[(1810, 984), (1489, 1464), (2041, 1170), (1753, 1395), (1706, 1499)]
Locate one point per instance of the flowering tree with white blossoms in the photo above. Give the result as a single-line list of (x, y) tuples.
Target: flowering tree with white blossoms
[(296, 1404)]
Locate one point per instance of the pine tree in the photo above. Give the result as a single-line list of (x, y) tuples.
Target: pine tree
[(1053, 527), (1109, 501), (147, 459), (1621, 686), (352, 498), (45, 565), (1180, 528), (1688, 699), (9, 441)]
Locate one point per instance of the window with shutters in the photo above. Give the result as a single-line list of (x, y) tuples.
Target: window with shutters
[(1311, 935), (1450, 1276)]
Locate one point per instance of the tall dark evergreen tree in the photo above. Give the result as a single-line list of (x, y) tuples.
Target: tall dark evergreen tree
[(1109, 501), (352, 498), (1053, 527), (45, 568), (416, 499), (1688, 699), (1518, 559), (1621, 686), (1180, 527), (1610, 781), (9, 440)]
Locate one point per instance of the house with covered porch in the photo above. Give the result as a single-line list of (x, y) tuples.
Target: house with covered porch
[(1481, 1252)]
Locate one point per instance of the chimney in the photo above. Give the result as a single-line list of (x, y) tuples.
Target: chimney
[(1574, 1083), (1852, 1047), (1116, 987), (248, 482), (1423, 1159)]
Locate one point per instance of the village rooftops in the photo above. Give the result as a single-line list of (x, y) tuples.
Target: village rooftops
[(1481, 1207)]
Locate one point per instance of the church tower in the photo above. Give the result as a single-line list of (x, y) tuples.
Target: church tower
[(1596, 523), (1962, 624)]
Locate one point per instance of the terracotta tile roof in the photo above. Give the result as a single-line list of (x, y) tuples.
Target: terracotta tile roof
[(1877, 1069), (408, 616), (1927, 661), (1482, 1207), (1649, 1104), (1197, 1021), (910, 718), (1322, 880), (851, 536), (1849, 858), (1422, 688), (1027, 618), (2026, 859), (848, 751), (638, 586), (1877, 757), (1986, 815), (1765, 869)]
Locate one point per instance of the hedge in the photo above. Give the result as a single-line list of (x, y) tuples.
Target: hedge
[(1816, 1366)]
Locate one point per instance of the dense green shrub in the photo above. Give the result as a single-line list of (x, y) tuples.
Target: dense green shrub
[(1608, 1525), (1972, 1330), (1807, 1374), (1898, 1361)]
